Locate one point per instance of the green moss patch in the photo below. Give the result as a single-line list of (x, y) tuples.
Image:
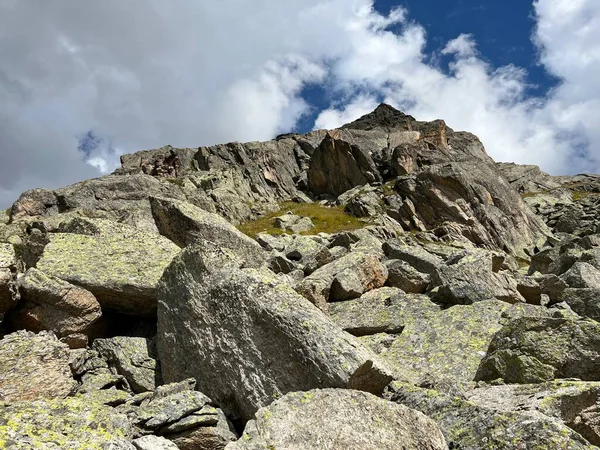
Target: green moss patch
[(326, 219)]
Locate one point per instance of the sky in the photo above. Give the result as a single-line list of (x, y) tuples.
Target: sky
[(82, 81)]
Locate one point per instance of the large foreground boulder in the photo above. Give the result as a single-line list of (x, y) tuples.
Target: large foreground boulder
[(339, 419), (184, 224), (67, 424), (119, 264), (532, 350), (248, 338), (34, 367), (469, 426)]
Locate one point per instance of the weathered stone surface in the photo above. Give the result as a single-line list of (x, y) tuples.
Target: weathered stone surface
[(120, 266), (308, 252), (335, 281), (249, 338), (468, 426), (156, 413), (133, 358), (575, 403), (118, 198), (339, 164), (585, 302), (355, 420), (49, 303), (471, 199), (294, 223), (385, 310), (531, 350), (153, 443), (185, 224), (582, 275), (471, 279), (73, 423), (8, 269), (446, 347), (34, 366), (417, 257), (404, 276), (212, 438)]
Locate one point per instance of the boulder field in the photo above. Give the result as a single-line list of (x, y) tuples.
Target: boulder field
[(384, 285)]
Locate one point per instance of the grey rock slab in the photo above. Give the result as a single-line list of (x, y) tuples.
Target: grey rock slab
[(355, 420), (132, 357), (468, 426), (120, 266), (530, 350), (184, 224), (249, 338), (33, 367), (471, 279), (159, 412), (404, 276), (417, 257), (73, 423), (582, 275), (151, 442), (364, 268), (383, 310), (574, 403), (443, 347)]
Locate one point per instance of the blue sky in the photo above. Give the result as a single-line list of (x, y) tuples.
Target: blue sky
[(83, 81)]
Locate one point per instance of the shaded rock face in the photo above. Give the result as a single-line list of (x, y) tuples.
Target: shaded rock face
[(248, 338), (354, 420), (477, 202), (8, 287), (338, 165), (49, 303)]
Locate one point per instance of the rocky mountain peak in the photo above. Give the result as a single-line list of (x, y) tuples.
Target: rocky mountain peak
[(384, 116), (382, 282)]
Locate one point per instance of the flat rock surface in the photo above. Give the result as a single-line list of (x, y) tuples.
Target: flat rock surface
[(120, 265)]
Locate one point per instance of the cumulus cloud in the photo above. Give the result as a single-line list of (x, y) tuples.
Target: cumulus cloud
[(82, 82), (558, 131)]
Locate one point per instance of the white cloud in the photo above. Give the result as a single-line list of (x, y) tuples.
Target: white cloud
[(142, 74), (558, 132), (463, 46)]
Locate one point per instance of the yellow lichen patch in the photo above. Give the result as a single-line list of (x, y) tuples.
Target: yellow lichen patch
[(326, 219)]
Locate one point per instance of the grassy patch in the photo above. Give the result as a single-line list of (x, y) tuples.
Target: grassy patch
[(325, 219), (580, 195)]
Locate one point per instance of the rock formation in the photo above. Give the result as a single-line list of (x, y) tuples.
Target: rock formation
[(382, 285)]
